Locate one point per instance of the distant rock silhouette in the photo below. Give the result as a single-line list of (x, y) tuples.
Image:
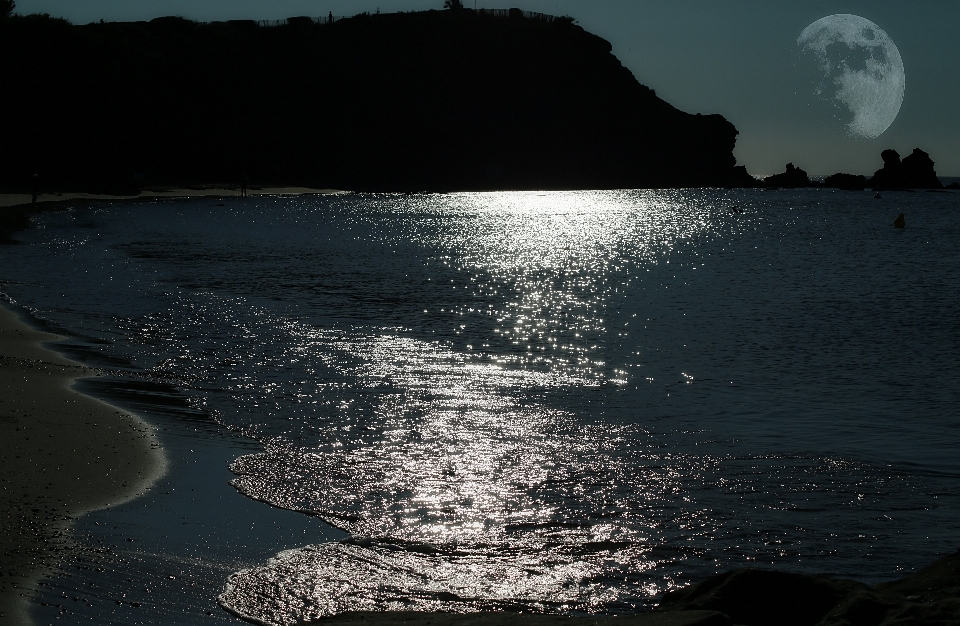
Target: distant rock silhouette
[(435, 100), (849, 182), (792, 177), (914, 172), (953, 185)]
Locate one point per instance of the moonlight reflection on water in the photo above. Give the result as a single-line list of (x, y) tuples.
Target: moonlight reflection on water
[(460, 492), (568, 401)]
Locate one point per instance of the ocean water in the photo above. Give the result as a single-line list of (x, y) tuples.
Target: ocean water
[(564, 402)]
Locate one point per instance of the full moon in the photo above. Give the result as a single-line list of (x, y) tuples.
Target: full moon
[(857, 73)]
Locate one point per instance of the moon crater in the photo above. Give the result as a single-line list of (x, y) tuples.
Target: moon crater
[(857, 72)]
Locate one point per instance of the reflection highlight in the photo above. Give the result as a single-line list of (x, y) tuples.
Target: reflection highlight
[(463, 491)]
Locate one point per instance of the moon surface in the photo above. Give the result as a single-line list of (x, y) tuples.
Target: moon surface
[(858, 72)]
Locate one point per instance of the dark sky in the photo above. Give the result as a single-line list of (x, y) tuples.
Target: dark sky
[(738, 59)]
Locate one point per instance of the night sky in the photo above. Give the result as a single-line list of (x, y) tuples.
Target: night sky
[(738, 59)]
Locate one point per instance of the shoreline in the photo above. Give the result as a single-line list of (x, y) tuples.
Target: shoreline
[(16, 208), (24, 199), (65, 454)]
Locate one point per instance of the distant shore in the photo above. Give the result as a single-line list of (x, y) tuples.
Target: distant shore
[(64, 454), (16, 207), (25, 199)]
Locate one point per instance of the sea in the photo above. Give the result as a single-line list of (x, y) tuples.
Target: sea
[(563, 402)]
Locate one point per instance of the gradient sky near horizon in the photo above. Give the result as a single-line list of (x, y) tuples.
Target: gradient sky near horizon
[(736, 58)]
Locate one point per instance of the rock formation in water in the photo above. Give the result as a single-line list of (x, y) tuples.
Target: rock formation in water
[(431, 100), (914, 172), (848, 182), (792, 177)]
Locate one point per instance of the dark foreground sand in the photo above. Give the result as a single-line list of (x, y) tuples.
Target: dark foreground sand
[(63, 454)]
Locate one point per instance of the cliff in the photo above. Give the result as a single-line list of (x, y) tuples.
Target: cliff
[(408, 101)]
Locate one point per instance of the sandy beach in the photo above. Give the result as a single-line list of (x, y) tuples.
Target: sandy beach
[(64, 454)]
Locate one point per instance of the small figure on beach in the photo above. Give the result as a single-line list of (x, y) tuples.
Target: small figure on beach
[(877, 195), (243, 186), (35, 187), (330, 18), (899, 222)]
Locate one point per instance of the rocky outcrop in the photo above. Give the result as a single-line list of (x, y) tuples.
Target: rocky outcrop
[(848, 182), (755, 597), (431, 100), (914, 172), (792, 177)]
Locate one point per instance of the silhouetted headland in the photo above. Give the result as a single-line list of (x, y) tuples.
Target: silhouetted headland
[(429, 100)]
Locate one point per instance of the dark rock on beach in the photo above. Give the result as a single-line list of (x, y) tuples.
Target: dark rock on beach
[(408, 101), (913, 172), (755, 597)]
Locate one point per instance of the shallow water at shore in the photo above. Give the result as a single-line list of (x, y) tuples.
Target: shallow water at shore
[(564, 401)]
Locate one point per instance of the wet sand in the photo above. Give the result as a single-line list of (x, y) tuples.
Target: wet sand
[(64, 454)]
